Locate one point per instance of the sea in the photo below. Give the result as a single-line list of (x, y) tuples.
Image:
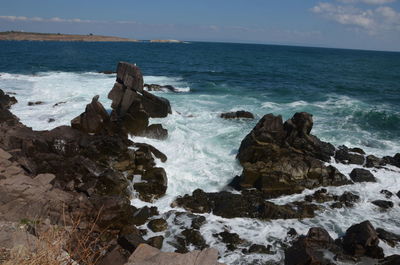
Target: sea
[(354, 97)]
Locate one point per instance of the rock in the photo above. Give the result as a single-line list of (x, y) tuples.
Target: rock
[(198, 221), (284, 158), (49, 120), (156, 241), (357, 150), (398, 194), (108, 72), (59, 103), (130, 76), (362, 240), (394, 161), (241, 114), (391, 260), (388, 194), (232, 240), (311, 249), (248, 204), (157, 225), (154, 184), (155, 87), (149, 148), (373, 161), (390, 238), (6, 101), (141, 216), (32, 103), (261, 249), (362, 175), (130, 241), (156, 131), (345, 155), (156, 107), (147, 255), (383, 204), (93, 120), (193, 237)]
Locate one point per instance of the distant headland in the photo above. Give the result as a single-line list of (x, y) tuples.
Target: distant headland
[(34, 36)]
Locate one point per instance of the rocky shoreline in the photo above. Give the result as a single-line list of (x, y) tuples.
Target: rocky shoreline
[(91, 169)]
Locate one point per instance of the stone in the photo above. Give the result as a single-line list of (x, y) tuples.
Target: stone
[(373, 161), (383, 204), (390, 260), (362, 175), (130, 241), (33, 103), (156, 107), (241, 114), (388, 194), (193, 237), (362, 240), (130, 76), (345, 156), (261, 249), (153, 185), (156, 241), (157, 225), (156, 131), (147, 255), (232, 240), (141, 216), (155, 87), (390, 238), (198, 221)]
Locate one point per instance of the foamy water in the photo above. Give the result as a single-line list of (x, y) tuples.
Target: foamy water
[(201, 150)]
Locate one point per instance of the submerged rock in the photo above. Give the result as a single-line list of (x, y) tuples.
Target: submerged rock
[(383, 204), (155, 87), (241, 114), (349, 156), (33, 103), (390, 238), (284, 158)]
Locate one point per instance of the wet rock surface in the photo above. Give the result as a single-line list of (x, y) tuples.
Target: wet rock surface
[(155, 87), (362, 175)]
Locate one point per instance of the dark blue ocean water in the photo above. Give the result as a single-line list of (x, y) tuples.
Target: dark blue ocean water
[(353, 95)]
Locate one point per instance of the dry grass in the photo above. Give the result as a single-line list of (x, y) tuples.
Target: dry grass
[(62, 245)]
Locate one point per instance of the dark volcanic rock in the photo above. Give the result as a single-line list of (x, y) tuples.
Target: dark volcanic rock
[(141, 216), (154, 184), (155, 87), (362, 175), (241, 114), (284, 158), (261, 249), (383, 204), (394, 161), (130, 242), (249, 204), (232, 240), (388, 194), (191, 237), (311, 249), (156, 241), (362, 240), (32, 103), (6, 101), (156, 131), (391, 260), (373, 161), (390, 238)]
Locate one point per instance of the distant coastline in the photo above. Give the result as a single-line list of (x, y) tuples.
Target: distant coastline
[(34, 36)]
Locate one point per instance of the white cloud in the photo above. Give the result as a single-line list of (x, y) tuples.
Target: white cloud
[(370, 2), (371, 20), (40, 19)]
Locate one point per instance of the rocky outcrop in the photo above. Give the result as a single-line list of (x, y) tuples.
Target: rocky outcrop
[(362, 175), (147, 255), (362, 240), (155, 87), (241, 114), (248, 204), (284, 158), (132, 105)]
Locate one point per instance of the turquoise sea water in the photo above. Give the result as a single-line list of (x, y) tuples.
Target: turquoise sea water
[(353, 95)]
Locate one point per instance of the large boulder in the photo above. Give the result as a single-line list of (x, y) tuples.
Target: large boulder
[(284, 158), (311, 249), (241, 114), (362, 240), (362, 175)]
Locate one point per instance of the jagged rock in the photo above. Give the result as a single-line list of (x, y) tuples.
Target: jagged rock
[(311, 249), (130, 76), (147, 255), (198, 221), (357, 150), (388, 194), (156, 241), (149, 148), (154, 184), (345, 155), (157, 225), (346, 199), (393, 160), (241, 114), (248, 204), (49, 120), (284, 158), (141, 216), (156, 131), (6, 101), (107, 72), (362, 240), (383, 204), (362, 175), (131, 241), (59, 103), (390, 238), (93, 120)]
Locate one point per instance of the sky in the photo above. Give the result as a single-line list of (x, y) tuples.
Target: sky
[(354, 24)]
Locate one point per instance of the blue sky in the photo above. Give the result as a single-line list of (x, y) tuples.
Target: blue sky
[(360, 24)]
